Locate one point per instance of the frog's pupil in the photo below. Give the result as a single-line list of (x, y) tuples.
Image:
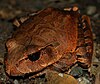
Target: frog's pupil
[(34, 56)]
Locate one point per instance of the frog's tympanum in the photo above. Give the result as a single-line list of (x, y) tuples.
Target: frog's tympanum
[(51, 39)]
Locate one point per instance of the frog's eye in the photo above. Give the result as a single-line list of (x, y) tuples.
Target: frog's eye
[(45, 53), (34, 56)]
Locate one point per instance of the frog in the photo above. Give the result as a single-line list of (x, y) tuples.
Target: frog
[(52, 39)]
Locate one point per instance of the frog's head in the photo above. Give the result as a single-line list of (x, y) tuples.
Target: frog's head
[(22, 59)]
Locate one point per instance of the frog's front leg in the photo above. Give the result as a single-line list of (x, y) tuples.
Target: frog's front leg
[(67, 60)]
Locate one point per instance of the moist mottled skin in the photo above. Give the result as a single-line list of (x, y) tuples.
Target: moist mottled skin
[(51, 37)]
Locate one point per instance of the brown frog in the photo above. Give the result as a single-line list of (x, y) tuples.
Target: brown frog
[(52, 38)]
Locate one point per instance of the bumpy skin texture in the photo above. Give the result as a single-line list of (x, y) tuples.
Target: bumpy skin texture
[(51, 38)]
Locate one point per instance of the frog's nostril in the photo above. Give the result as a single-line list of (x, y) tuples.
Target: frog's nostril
[(34, 56)]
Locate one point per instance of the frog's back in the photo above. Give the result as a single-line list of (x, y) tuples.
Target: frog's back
[(48, 26)]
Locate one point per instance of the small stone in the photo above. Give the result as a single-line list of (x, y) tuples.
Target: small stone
[(91, 10), (95, 60), (16, 81), (97, 80), (76, 71), (2, 79), (96, 16), (83, 80), (60, 74), (54, 77)]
